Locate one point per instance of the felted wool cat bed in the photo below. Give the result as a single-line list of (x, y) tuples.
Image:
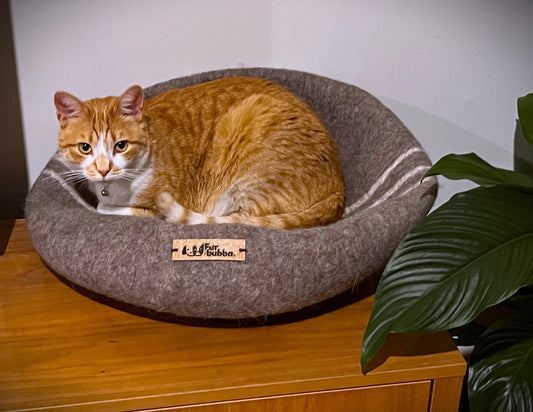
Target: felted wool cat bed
[(126, 261)]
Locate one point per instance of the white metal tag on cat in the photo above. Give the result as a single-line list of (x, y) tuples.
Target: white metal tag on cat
[(209, 249)]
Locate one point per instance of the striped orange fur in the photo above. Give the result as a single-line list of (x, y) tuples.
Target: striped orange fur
[(234, 150)]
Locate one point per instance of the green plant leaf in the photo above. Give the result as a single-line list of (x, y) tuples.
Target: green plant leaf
[(471, 253), (501, 372), (503, 334), (470, 166), (525, 114)]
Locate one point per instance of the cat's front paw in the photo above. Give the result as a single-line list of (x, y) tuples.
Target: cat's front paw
[(171, 210)]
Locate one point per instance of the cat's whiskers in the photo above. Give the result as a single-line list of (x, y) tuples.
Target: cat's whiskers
[(73, 177), (131, 174)]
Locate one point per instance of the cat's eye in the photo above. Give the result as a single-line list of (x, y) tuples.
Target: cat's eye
[(121, 146), (85, 148)]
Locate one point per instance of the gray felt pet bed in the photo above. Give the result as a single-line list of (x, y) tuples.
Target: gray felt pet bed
[(126, 261)]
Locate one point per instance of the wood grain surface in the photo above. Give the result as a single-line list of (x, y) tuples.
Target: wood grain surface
[(59, 348)]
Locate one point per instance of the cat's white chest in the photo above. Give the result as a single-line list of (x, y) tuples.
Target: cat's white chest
[(115, 195)]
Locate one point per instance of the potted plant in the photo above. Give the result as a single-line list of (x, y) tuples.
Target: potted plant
[(473, 252)]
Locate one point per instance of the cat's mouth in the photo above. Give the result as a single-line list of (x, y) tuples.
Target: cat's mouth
[(104, 179)]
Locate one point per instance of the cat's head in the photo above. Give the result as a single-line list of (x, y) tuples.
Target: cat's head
[(105, 138)]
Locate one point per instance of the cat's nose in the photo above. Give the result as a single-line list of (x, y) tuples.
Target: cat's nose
[(104, 172)]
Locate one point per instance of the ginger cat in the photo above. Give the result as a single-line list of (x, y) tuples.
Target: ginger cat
[(234, 150)]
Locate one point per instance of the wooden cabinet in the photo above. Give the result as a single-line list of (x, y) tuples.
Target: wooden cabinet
[(61, 350)]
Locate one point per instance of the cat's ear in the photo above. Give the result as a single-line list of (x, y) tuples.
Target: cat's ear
[(131, 102), (67, 107)]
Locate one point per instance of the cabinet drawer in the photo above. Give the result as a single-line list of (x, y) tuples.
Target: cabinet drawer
[(413, 397)]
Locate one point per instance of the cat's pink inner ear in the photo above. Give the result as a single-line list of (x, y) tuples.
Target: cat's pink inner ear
[(67, 107), (131, 102)]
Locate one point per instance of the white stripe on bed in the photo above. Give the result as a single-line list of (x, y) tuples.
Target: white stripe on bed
[(400, 182), (69, 189), (381, 180)]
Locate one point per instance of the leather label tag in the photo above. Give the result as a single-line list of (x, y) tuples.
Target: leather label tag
[(209, 249)]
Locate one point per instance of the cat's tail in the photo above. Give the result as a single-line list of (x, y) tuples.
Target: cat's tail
[(324, 212)]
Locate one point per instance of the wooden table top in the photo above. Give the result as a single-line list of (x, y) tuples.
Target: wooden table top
[(58, 347)]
